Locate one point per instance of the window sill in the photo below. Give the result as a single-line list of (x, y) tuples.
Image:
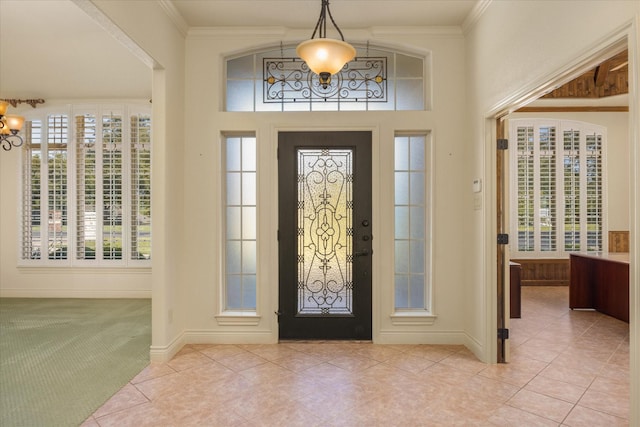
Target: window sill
[(413, 318), (238, 318)]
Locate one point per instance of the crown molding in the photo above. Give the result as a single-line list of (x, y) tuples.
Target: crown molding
[(196, 32), (412, 31), (170, 10), (475, 14), (116, 32)]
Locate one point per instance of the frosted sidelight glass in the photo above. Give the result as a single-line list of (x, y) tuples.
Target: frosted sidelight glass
[(410, 221), (241, 222)]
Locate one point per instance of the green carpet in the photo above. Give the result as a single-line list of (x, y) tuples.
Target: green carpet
[(61, 359)]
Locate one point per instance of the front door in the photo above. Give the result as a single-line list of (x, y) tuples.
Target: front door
[(324, 187)]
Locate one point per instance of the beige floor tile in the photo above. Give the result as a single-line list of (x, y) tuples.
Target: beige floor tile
[(217, 352), (508, 416), (612, 404), (127, 397), (585, 417), (559, 357), (571, 375), (154, 370), (541, 405), (242, 361), (558, 389)]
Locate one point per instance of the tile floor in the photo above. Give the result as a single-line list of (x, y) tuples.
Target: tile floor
[(568, 368)]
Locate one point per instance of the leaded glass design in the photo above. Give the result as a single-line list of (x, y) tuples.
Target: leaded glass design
[(290, 80), (377, 79), (325, 231)]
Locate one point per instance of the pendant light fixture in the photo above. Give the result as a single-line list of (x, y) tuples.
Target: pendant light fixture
[(325, 56)]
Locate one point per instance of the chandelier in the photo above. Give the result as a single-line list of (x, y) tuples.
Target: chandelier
[(325, 56), (9, 128)]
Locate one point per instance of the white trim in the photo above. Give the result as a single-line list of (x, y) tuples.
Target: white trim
[(203, 336), (164, 353), (238, 319), (447, 31), (116, 32), (74, 293), (175, 16), (412, 318), (224, 32), (475, 15)]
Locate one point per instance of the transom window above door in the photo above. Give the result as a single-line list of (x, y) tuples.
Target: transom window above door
[(277, 79)]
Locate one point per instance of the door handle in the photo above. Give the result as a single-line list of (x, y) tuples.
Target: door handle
[(363, 253)]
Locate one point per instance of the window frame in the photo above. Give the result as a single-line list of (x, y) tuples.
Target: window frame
[(71, 111), (417, 315), (235, 316)]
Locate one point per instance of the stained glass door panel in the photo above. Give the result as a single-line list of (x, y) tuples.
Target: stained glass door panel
[(325, 235)]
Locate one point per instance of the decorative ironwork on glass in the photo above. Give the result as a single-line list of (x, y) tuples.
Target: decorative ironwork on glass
[(324, 246), (290, 80)]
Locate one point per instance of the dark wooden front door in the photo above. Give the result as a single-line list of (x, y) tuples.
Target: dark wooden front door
[(324, 187)]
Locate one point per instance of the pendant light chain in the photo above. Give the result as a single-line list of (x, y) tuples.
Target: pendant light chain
[(322, 22)]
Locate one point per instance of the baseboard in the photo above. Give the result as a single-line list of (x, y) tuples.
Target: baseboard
[(165, 353), (229, 337), (420, 337), (437, 337), (74, 293)]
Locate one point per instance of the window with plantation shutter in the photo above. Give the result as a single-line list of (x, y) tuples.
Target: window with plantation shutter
[(90, 202), (557, 189), (140, 186)]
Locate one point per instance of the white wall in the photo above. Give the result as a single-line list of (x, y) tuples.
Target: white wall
[(205, 122)]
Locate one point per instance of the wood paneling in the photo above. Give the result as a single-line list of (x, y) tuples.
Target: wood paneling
[(618, 241), (609, 78), (544, 272)]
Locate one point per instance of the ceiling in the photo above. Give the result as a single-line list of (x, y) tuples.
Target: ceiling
[(305, 13), (58, 52), (52, 49)]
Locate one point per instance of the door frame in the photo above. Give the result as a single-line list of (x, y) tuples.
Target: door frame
[(367, 168), (599, 52)]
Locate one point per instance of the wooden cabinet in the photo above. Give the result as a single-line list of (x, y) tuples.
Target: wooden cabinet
[(600, 282), (515, 272)]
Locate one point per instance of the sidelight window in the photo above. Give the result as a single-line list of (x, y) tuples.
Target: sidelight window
[(240, 222), (411, 222)]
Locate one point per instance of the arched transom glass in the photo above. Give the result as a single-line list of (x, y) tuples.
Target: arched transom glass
[(278, 80)]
